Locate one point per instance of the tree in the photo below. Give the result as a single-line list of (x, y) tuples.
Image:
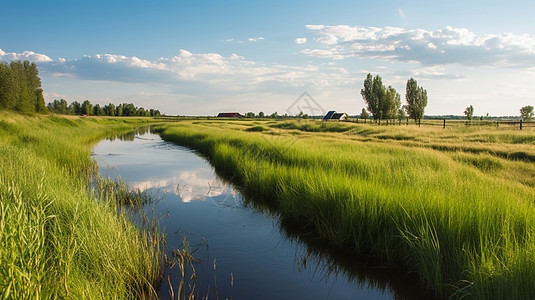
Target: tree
[(75, 108), (98, 110), (20, 87), (390, 104), (416, 98), (469, 112), (364, 114), (249, 115), (526, 112), (382, 102), (58, 107), (8, 93), (109, 109), (261, 114), (87, 108)]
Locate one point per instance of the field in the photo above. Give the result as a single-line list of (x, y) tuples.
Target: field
[(60, 237), (452, 207)]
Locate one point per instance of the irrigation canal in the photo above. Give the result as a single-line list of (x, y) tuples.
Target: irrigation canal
[(255, 257)]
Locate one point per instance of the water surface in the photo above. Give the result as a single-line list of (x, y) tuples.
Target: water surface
[(254, 258)]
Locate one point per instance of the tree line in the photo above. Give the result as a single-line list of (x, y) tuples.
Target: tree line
[(86, 108), (526, 113), (20, 90), (20, 87), (385, 102)]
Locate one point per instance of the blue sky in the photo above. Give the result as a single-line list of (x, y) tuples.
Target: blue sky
[(203, 57)]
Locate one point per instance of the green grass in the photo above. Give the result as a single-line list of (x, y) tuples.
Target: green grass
[(57, 238), (452, 207)]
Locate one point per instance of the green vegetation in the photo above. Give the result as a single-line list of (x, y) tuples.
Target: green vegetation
[(416, 98), (526, 112), (469, 112), (20, 87), (382, 102), (86, 108), (59, 238), (452, 207)]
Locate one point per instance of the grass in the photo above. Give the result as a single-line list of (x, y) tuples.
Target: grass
[(452, 207), (58, 238)]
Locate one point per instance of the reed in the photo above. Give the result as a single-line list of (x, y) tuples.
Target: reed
[(452, 207), (57, 239)]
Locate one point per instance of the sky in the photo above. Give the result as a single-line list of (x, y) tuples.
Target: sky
[(206, 57)]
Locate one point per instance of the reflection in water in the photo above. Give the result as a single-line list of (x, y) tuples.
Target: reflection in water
[(130, 135), (257, 257)]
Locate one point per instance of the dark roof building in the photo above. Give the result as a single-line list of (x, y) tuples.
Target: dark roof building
[(229, 115), (334, 116), (329, 115)]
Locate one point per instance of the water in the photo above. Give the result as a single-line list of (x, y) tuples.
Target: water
[(254, 258)]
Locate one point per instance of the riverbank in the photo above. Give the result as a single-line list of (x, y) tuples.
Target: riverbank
[(452, 207), (58, 240)]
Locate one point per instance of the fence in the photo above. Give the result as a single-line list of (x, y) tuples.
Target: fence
[(520, 124)]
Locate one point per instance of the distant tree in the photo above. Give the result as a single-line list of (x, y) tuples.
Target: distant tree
[(119, 110), (58, 107), (109, 109), (129, 109), (469, 112), (370, 97), (364, 114), (382, 102), (526, 112), (274, 115), (87, 108), (76, 108), (373, 94), (261, 114), (249, 115), (98, 110), (20, 87), (8, 91), (390, 104), (416, 98)]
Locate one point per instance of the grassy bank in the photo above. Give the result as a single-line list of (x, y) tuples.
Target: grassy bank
[(56, 239), (452, 207)]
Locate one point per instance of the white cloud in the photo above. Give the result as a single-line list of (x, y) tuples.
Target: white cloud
[(256, 39), (440, 47), (26, 55), (300, 40), (197, 72)]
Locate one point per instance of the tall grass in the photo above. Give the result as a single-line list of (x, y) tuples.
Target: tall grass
[(57, 240), (452, 218)]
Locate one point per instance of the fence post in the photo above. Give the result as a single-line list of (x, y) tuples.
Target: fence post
[(520, 124), (444, 126)]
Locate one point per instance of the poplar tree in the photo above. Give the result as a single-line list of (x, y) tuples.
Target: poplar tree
[(416, 98), (381, 102)]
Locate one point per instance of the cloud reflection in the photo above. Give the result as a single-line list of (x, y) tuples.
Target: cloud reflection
[(193, 185)]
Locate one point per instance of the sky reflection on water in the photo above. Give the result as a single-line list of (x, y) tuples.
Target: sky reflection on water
[(249, 246)]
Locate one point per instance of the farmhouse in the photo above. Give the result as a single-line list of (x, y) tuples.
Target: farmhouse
[(230, 115), (334, 116)]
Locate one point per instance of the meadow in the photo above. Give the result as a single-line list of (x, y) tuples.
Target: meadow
[(450, 207), (62, 234)]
